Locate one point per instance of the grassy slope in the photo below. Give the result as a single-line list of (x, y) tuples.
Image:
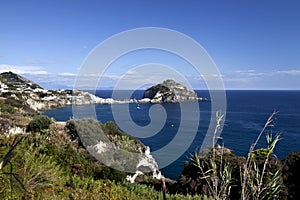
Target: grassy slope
[(49, 165)]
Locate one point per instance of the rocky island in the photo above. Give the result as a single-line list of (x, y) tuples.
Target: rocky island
[(170, 92)]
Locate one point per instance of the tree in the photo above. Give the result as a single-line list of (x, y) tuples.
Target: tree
[(39, 123)]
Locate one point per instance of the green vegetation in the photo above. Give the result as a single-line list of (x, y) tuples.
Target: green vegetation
[(4, 108), (14, 103), (124, 141), (49, 165), (10, 103), (71, 127), (291, 174), (39, 123)]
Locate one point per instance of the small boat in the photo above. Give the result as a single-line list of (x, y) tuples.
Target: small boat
[(138, 107)]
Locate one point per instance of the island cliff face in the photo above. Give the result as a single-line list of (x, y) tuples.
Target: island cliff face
[(170, 92)]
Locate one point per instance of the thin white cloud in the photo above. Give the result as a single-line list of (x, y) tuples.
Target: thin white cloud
[(246, 71), (34, 70), (111, 76), (251, 73), (289, 72), (212, 76), (67, 74), (266, 79)]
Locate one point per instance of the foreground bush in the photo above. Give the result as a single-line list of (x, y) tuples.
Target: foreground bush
[(39, 123), (222, 175), (199, 174), (291, 174)]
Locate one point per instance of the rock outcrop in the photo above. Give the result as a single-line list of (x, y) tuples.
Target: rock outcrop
[(115, 148), (170, 92)]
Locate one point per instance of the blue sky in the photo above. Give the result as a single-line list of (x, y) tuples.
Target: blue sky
[(255, 44)]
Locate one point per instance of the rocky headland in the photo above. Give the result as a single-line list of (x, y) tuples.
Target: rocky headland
[(170, 91)]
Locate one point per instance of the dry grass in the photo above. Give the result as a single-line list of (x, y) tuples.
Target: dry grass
[(253, 185), (256, 179)]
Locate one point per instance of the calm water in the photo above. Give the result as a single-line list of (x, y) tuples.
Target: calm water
[(247, 112)]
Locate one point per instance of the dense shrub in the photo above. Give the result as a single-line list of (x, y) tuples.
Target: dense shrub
[(71, 128), (39, 123), (42, 94), (111, 128), (112, 131), (291, 174), (7, 108), (111, 174), (191, 180), (15, 102)]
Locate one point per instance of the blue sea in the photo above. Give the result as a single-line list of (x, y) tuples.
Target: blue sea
[(247, 112)]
